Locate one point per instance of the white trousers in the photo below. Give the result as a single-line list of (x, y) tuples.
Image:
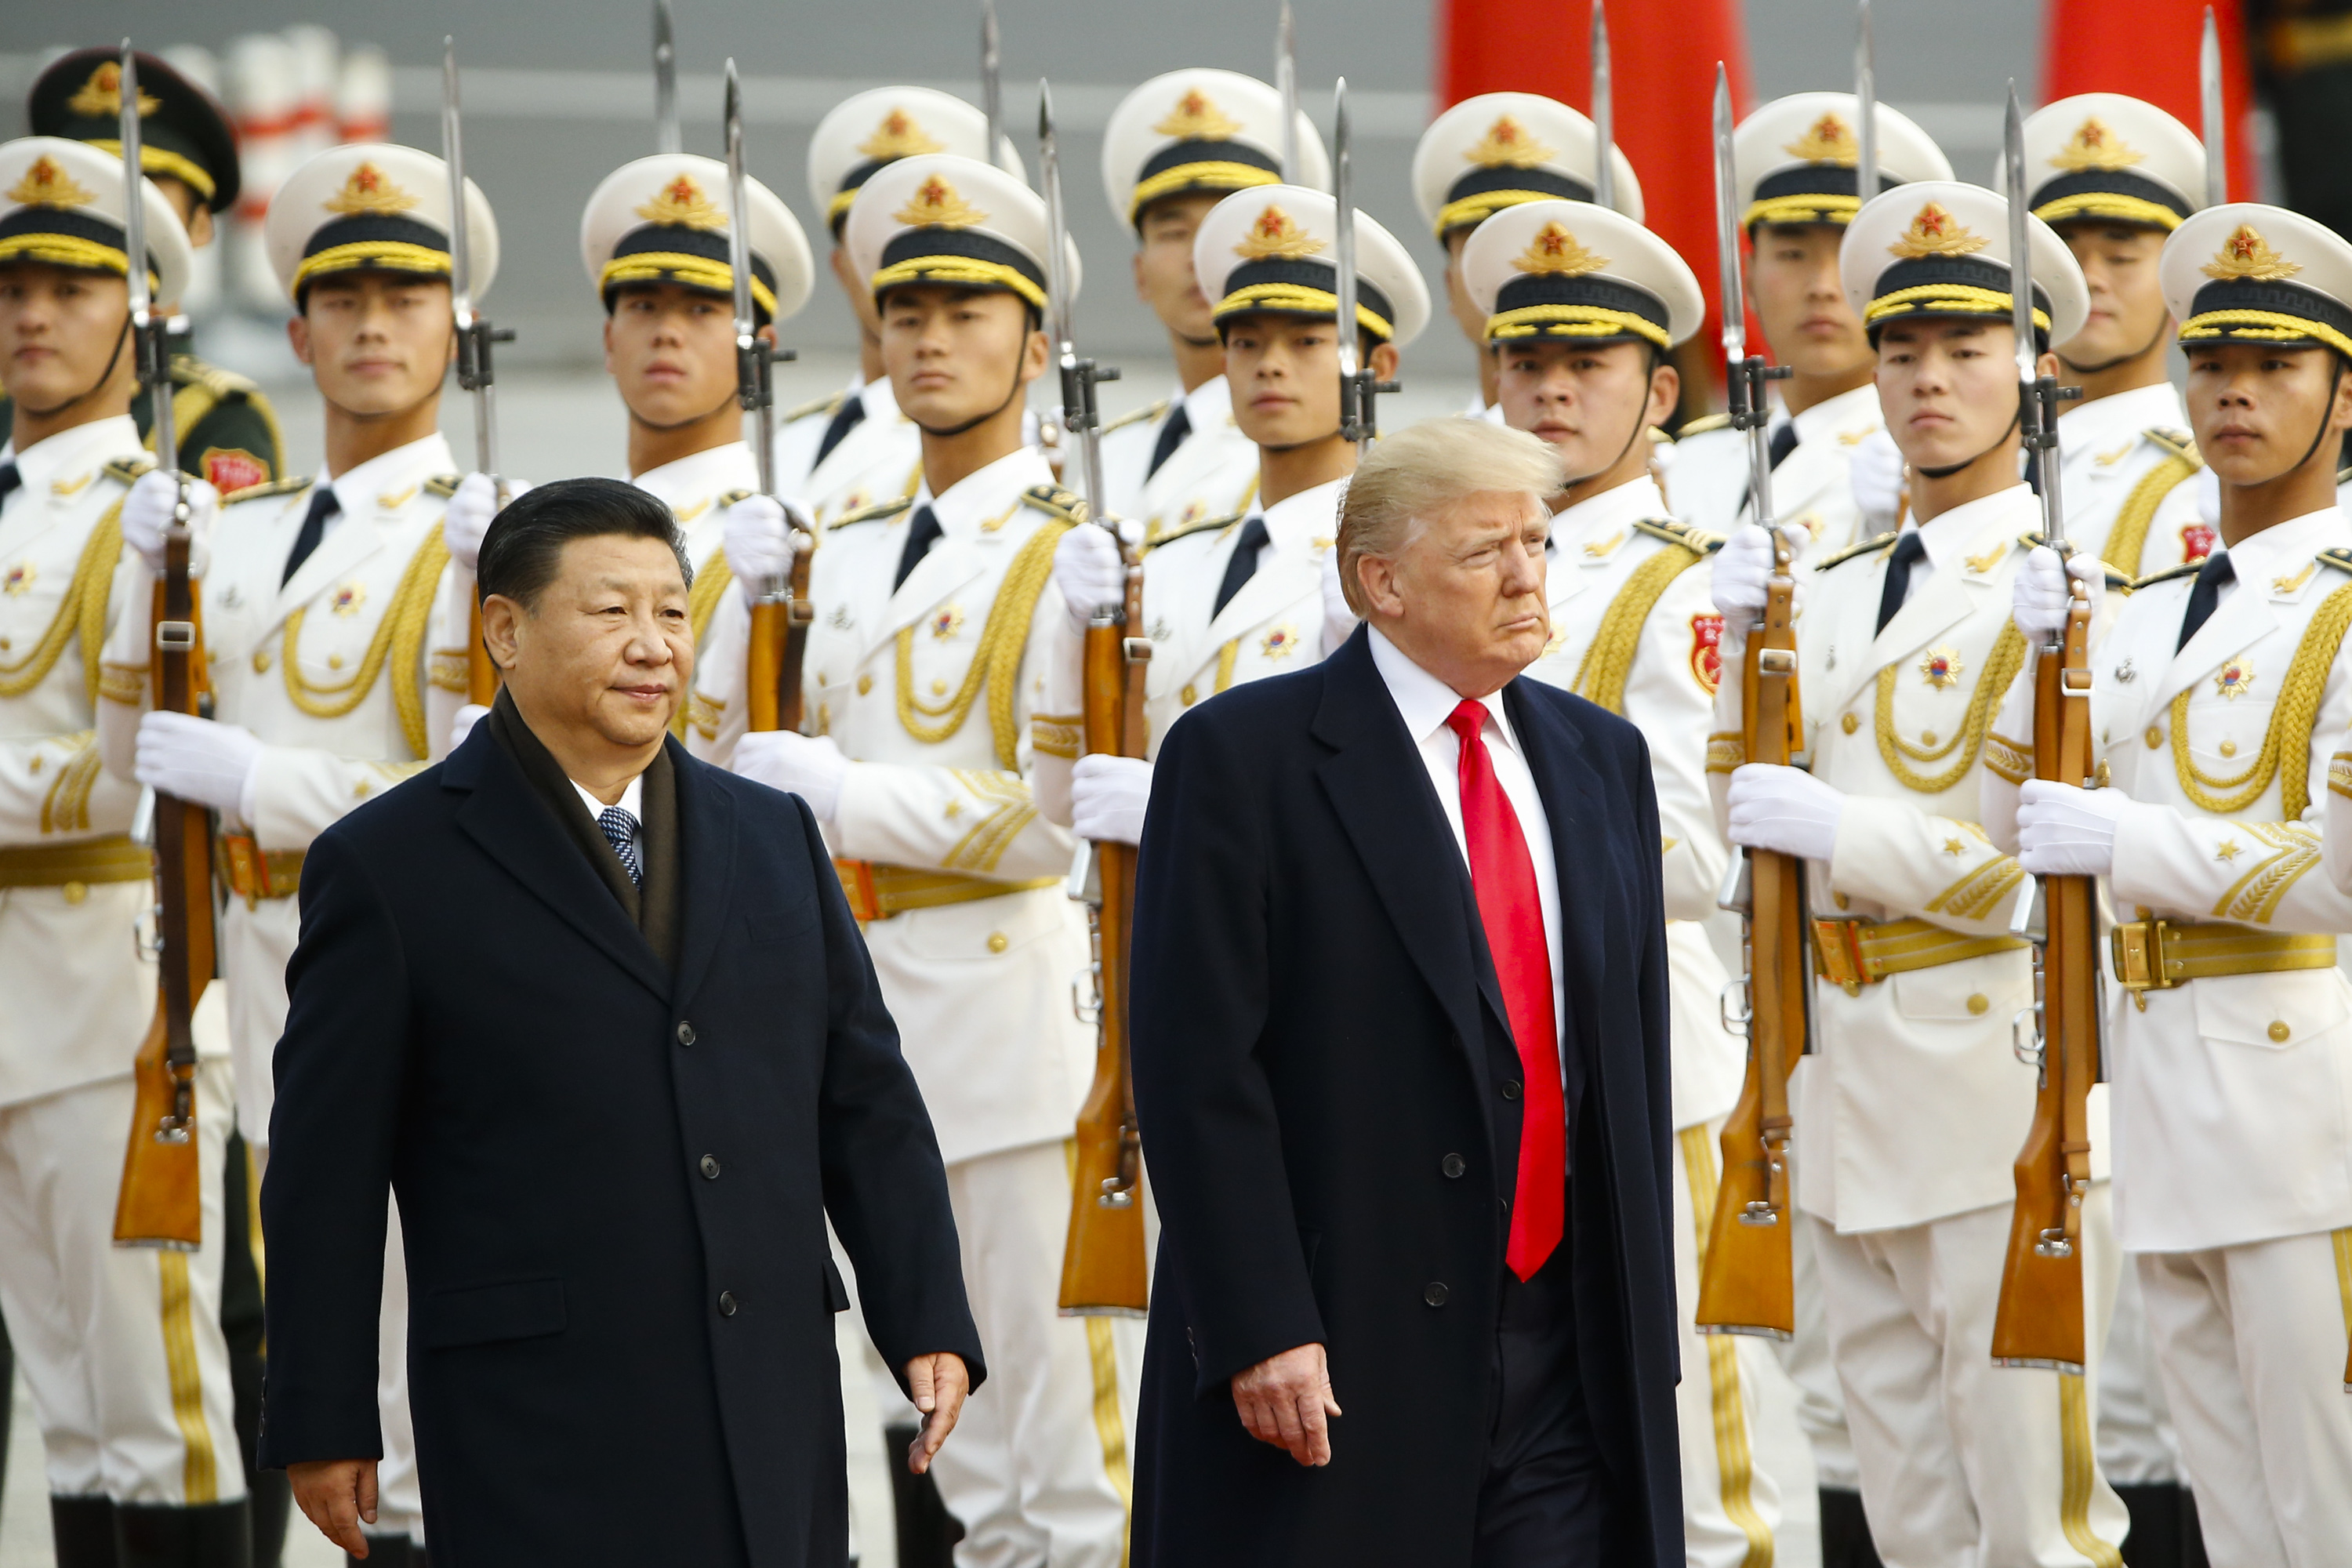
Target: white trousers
[(1731, 1508), (1037, 1469), (1964, 1464), (121, 1347), (1805, 1357), (2251, 1342), (2138, 1446)]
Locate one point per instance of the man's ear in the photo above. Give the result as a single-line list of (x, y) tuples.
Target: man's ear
[(608, 343), (2340, 417), (1665, 391), (1375, 582), (1035, 356), (502, 621), (200, 226), (1384, 361), (298, 334), (2045, 363)]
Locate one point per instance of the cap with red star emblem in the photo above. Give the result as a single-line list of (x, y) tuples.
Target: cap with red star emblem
[(374, 206), (1941, 249), (1273, 251), (1500, 149), (663, 219), (1795, 158), (872, 130), (1201, 130), (2103, 157), (2258, 274), (61, 205), (936, 218), (1570, 270)]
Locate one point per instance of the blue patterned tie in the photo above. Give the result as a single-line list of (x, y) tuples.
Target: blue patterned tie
[(621, 831)]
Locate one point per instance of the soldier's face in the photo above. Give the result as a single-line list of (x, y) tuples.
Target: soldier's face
[(1948, 388), (1464, 597), (376, 342), (59, 328), (2256, 408), (1285, 375), (1793, 281), (955, 355), (671, 352), (1471, 320), (2128, 315), (1163, 266), (1591, 401), (606, 651)]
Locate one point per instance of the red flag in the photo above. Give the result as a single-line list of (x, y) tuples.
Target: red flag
[(1662, 59), (2147, 48)]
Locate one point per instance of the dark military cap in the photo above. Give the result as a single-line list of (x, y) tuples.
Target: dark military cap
[(183, 133)]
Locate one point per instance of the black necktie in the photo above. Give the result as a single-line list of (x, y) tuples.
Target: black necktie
[(323, 505), (1172, 436), (845, 419), (2206, 595), (1909, 549), (1784, 441), (10, 479), (1244, 564), (919, 539)]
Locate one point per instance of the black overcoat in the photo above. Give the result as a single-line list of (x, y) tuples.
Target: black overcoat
[(612, 1180), (1308, 972)]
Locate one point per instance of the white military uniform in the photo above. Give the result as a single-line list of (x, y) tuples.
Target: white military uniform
[(1212, 473), (800, 431), (1634, 630), (2125, 459), (121, 1347), (1812, 488), (880, 460), (699, 489)]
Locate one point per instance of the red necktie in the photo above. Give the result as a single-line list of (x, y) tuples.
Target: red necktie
[(1503, 875)]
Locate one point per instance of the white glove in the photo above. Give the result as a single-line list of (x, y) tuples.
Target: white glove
[(471, 714), (1877, 478), (2207, 488), (196, 759), (2039, 599), (469, 515), (1784, 809), (2062, 831), (1088, 573), (1339, 620), (1108, 795), (1742, 569), (811, 767), (147, 511), (761, 537)]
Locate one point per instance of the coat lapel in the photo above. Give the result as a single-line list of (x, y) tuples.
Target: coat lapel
[(2242, 620), (705, 856), (950, 564), (346, 544)]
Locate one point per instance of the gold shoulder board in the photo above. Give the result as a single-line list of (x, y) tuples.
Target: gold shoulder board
[(875, 513), (188, 370), (443, 485), (2186, 569), (1702, 424), (1142, 415), (2178, 443), (1186, 530), (1682, 534), (1056, 502), (1876, 542), (828, 406), (729, 498), (126, 469), (2339, 558)]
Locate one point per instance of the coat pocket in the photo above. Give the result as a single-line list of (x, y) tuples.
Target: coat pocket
[(481, 1314), (2270, 1012)]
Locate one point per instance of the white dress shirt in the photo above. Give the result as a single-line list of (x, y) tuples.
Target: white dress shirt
[(633, 801), (1424, 703)]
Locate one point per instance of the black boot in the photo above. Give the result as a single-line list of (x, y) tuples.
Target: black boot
[(1845, 1533), (2192, 1534), (388, 1552), (270, 1494), (927, 1531), (2155, 1538), (148, 1536), (83, 1528)]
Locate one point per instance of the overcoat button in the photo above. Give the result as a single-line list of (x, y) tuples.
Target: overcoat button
[(1453, 1165), (1510, 1089), (685, 1032), (1434, 1292), (710, 1167), (727, 1303)]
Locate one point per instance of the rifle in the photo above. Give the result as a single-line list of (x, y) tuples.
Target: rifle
[(162, 1199), (1285, 83), (1865, 99), (782, 615), (991, 78), (667, 135), (475, 336), (1104, 1271), (2039, 1322), (1358, 382), (2215, 126), (1746, 1278), (1604, 114)]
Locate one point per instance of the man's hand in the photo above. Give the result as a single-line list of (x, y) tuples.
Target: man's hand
[(338, 1496), (811, 767), (1108, 797), (2041, 596), (2062, 831), (938, 1384), (761, 537), (471, 512), (147, 512), (1089, 572), (199, 760), (1784, 809), (1285, 1401)]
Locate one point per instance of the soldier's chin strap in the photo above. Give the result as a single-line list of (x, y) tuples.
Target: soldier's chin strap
[(93, 389), (691, 419), (431, 393), (2107, 364), (977, 420), (1640, 425), (1948, 469), (2328, 409)]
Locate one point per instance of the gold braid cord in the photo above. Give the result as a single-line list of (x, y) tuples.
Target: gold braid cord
[(83, 612), (1608, 659), (2127, 540), (702, 602), (2007, 658), (2298, 705), (996, 664), (399, 637)]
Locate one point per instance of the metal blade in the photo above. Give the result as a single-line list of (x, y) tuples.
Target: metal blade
[(452, 153), (134, 198), (2020, 257), (667, 136), (751, 353), (1286, 82), (1343, 231), (1049, 183), (1865, 92), (991, 76), (1727, 227), (1604, 114), (2216, 122)]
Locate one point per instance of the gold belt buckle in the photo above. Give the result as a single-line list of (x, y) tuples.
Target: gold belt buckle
[(1837, 955), (247, 873), (2139, 959), (857, 881)]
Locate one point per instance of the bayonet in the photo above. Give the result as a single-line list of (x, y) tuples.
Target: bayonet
[(667, 137), (1286, 82), (1865, 92), (754, 383), (1744, 374), (2214, 115), (991, 77), (150, 330), (1081, 417), (1359, 383), (1604, 114), (475, 372), (2037, 394)]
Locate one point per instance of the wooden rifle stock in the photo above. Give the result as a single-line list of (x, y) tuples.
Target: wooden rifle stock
[(780, 629), (1104, 1270), (2039, 1322), (161, 1200), (1746, 1280)]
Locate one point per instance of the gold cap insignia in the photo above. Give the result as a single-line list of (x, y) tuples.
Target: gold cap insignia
[(2093, 146), (1827, 139), (682, 204), (1556, 253), (1276, 233), (1196, 119), (47, 186), (2246, 254), (102, 94), (935, 204), (1506, 145), (369, 191), (1936, 232), (898, 137)]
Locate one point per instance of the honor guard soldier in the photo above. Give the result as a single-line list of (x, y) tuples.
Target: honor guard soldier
[(654, 241), (229, 433), (121, 1347), (332, 609), (1497, 151), (2114, 177), (1795, 160), (845, 453), (1911, 1115), (1233, 599), (2217, 700), (935, 620), (1583, 306), (1176, 146)]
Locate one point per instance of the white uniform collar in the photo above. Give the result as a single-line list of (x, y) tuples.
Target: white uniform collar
[(2098, 425), (1208, 406), (880, 398), (73, 452), (983, 495), (1947, 535), (1295, 522), (703, 473), (2284, 549), (1423, 701), (1842, 412), (383, 480), (1609, 511)]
